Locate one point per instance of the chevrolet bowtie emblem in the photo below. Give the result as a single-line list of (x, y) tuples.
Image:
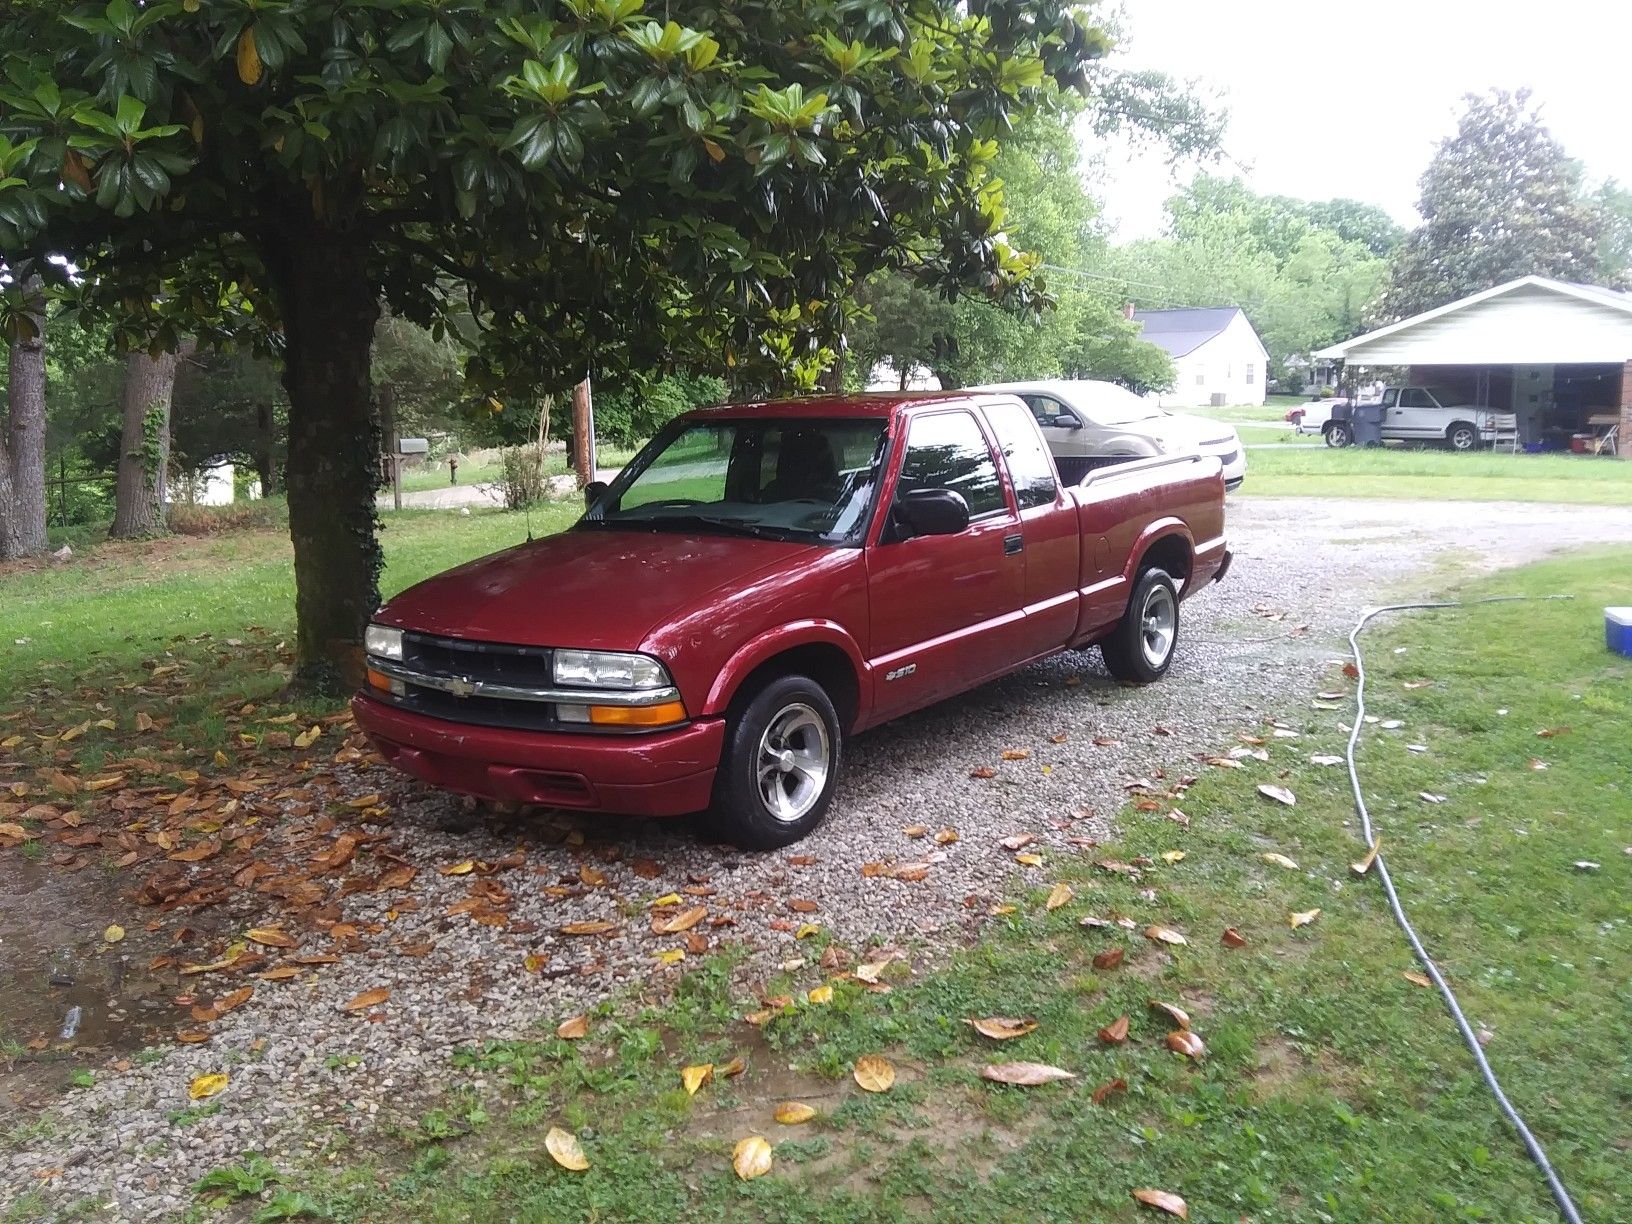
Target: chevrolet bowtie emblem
[(460, 687)]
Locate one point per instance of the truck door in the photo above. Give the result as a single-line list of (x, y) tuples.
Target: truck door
[(947, 611), (1050, 531), (1419, 415)]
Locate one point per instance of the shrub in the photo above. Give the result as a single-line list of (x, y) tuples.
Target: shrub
[(521, 476), (186, 519)]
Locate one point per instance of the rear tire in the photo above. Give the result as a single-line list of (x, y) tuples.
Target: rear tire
[(1339, 434), (783, 751), (1462, 436), (1140, 648)]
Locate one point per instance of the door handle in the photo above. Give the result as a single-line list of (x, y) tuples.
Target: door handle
[(1013, 544)]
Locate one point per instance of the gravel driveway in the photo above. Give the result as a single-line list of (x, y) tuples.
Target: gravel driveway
[(499, 965)]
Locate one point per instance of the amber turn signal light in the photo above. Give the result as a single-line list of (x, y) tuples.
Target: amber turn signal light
[(379, 680), (663, 715)]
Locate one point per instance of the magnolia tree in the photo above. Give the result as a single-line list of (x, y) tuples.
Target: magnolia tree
[(598, 188)]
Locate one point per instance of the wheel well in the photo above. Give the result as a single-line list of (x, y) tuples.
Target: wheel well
[(1456, 425), (1171, 553), (827, 665)]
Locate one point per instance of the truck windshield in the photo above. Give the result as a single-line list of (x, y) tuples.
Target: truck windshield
[(790, 479)]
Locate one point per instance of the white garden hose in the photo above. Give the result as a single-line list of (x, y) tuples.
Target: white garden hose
[(1380, 867)]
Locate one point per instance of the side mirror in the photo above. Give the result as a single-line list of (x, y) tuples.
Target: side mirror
[(1067, 422), (592, 492), (933, 511)]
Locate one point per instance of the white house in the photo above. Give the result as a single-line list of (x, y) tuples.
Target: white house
[(1216, 354)]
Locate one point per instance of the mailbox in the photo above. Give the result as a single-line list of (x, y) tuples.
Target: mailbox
[(413, 446)]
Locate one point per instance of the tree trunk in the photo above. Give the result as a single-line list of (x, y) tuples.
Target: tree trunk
[(144, 443), (329, 311), (266, 464), (22, 505)]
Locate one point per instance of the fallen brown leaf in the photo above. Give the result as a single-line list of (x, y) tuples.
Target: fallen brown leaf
[(1179, 1016), (695, 1077), (1163, 1200), (366, 1000), (1107, 1090), (1116, 1032), (1059, 895), (564, 1149), (751, 1157), (792, 1113), (1110, 958), (574, 1029), (873, 1073), (1024, 1074), (1003, 1028), (1183, 1041), (1167, 935), (1233, 938)]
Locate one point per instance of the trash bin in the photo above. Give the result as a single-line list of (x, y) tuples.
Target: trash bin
[(1368, 424)]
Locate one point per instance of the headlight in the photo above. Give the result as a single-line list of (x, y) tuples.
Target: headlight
[(604, 670), (386, 643)]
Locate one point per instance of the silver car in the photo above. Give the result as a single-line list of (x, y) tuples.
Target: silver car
[(1090, 424)]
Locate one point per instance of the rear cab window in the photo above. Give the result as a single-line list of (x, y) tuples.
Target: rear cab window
[(1030, 467)]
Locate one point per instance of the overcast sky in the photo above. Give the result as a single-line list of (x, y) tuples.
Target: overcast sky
[(1351, 99)]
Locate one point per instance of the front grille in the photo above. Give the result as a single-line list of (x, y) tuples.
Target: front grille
[(479, 711), (1228, 457), (523, 665)]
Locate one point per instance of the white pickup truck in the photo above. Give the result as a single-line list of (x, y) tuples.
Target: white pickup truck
[(1420, 414)]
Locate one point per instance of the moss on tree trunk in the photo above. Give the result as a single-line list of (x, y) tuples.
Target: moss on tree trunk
[(144, 443)]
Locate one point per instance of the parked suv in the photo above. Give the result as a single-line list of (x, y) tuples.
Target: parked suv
[(1420, 414)]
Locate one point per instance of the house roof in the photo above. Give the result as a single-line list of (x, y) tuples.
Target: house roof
[(1531, 320), (1184, 331)]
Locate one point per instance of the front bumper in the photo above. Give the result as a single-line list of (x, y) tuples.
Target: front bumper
[(665, 773)]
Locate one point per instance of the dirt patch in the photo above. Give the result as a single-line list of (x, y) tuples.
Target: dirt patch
[(69, 999)]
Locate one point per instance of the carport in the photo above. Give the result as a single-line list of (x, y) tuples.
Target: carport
[(1558, 356)]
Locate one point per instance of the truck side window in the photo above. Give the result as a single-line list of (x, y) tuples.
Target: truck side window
[(1416, 397), (1390, 397), (948, 451), (1023, 451)]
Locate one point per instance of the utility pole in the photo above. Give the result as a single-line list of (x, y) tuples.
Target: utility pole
[(583, 434), (387, 398)]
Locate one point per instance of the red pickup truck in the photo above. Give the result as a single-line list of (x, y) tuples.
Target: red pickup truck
[(764, 580)]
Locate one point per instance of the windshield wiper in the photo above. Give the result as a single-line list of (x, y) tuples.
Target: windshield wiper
[(730, 525)]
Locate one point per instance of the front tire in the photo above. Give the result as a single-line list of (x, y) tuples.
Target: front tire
[(780, 768), (1462, 436), (1339, 434), (1140, 648)]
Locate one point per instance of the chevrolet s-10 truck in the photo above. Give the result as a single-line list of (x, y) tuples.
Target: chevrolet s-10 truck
[(763, 581)]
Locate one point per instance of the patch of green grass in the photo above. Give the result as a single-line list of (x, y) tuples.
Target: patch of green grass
[(1419, 472), (219, 610), (1333, 1088)]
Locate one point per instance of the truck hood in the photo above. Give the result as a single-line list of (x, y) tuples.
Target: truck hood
[(603, 589)]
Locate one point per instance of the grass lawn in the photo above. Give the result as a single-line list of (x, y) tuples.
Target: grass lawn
[(1399, 472), (221, 608), (1332, 1086), (1272, 412), (435, 475)]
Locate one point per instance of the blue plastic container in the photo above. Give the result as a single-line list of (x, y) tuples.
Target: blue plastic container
[(1618, 630)]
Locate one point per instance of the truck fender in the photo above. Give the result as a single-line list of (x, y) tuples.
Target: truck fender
[(768, 645), (1156, 530)]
